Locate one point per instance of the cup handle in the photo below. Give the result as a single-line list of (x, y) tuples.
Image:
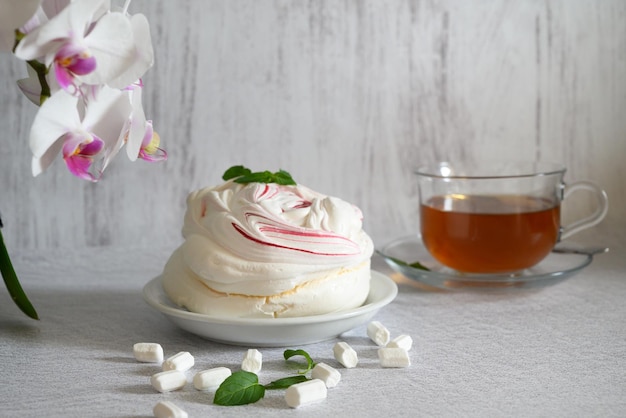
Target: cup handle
[(602, 208)]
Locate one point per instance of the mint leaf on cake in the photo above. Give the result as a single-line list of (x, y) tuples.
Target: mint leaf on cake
[(244, 175)]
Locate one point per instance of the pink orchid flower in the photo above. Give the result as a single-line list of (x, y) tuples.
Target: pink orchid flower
[(58, 126)]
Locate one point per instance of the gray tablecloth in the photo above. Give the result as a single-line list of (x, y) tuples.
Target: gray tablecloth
[(557, 352)]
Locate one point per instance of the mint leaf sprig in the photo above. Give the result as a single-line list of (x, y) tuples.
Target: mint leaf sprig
[(415, 265), (310, 363), (244, 175), (285, 382), (243, 387), (240, 388)]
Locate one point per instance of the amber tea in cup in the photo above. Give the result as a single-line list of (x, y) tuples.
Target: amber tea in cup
[(496, 218)]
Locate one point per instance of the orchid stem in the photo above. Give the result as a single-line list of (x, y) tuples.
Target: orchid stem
[(126, 6), (12, 283), (41, 71)]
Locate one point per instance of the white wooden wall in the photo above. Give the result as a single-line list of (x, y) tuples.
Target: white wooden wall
[(347, 95)]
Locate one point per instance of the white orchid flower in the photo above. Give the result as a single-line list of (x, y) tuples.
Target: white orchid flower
[(58, 126), (82, 45), (15, 13), (138, 134)]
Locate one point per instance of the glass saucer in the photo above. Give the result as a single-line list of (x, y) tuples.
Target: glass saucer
[(555, 268)]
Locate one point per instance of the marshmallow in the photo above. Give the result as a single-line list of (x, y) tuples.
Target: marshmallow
[(168, 381), (401, 341), (182, 362), (305, 393), (148, 352), (327, 374), (345, 355), (167, 409), (378, 333), (393, 357), (211, 379), (252, 361)]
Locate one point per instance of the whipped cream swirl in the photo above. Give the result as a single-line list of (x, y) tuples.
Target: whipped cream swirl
[(261, 239)]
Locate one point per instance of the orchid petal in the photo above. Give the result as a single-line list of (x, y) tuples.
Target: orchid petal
[(30, 86), (74, 142), (107, 115), (80, 166), (92, 148), (79, 150), (64, 77), (150, 150), (53, 7), (34, 22), (76, 58), (71, 22), (143, 54), (137, 125), (14, 14), (158, 156), (111, 43), (39, 165), (56, 116), (113, 150)]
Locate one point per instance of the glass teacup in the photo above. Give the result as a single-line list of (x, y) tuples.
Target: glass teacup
[(497, 218)]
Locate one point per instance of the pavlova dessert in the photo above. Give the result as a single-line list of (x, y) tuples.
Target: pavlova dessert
[(261, 246)]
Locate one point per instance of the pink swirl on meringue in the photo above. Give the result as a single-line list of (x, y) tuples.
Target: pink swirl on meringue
[(280, 235)]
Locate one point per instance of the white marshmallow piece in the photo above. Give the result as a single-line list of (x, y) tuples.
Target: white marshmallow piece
[(378, 333), (393, 357), (305, 393), (327, 374), (401, 341), (167, 409), (168, 381), (182, 362), (148, 352), (345, 355), (252, 361), (211, 379)]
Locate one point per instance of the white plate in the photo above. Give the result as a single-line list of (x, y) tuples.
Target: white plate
[(273, 332)]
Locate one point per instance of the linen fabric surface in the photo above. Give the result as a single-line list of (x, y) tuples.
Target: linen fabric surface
[(560, 351)]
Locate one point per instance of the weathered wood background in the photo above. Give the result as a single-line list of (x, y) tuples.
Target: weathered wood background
[(347, 95)]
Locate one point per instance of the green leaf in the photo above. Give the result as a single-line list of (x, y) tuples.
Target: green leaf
[(244, 175), (13, 284), (284, 178), (285, 382), (235, 171), (240, 388), (291, 353), (260, 177), (416, 265)]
